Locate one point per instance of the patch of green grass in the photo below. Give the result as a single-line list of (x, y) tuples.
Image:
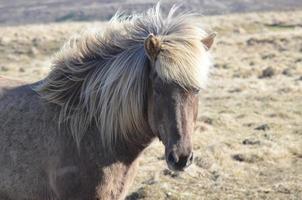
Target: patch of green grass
[(73, 16), (280, 27)]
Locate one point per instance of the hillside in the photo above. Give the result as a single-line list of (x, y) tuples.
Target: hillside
[(14, 12)]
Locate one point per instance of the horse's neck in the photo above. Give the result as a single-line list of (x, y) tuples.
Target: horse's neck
[(122, 150)]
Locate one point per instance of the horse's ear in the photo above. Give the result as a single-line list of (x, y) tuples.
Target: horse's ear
[(209, 40), (152, 46)]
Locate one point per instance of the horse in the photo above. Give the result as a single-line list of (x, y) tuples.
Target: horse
[(78, 133)]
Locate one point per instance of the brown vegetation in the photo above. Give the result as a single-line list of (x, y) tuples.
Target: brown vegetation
[(248, 140)]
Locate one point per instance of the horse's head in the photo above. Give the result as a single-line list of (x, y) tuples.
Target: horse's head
[(173, 93)]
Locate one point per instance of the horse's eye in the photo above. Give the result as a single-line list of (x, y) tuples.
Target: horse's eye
[(156, 90), (195, 91)]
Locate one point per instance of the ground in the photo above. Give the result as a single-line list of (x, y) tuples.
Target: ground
[(248, 139)]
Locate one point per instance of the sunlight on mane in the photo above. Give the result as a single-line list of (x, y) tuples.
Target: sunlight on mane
[(102, 77)]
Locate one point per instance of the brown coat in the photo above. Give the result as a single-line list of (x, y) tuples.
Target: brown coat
[(40, 162)]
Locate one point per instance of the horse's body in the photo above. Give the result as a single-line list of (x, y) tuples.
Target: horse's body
[(77, 134), (38, 162)]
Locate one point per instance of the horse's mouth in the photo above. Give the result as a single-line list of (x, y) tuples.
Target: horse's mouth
[(178, 169)]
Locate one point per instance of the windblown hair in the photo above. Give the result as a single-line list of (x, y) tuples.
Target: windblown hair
[(102, 77)]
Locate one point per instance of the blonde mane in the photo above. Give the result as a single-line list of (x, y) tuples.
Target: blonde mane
[(102, 77)]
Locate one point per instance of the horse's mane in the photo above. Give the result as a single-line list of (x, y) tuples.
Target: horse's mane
[(102, 77)]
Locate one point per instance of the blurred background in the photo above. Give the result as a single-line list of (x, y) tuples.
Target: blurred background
[(248, 138), (42, 11)]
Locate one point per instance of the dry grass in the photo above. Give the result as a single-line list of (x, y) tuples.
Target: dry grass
[(248, 140)]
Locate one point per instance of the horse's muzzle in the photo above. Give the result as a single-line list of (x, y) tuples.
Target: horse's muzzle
[(179, 163)]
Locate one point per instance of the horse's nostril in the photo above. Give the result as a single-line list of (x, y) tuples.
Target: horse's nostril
[(191, 157), (190, 160), (172, 158)]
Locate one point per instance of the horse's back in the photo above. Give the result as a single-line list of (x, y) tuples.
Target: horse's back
[(26, 124), (19, 104), (5, 81)]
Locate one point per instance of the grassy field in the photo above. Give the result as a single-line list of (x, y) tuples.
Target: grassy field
[(248, 139)]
